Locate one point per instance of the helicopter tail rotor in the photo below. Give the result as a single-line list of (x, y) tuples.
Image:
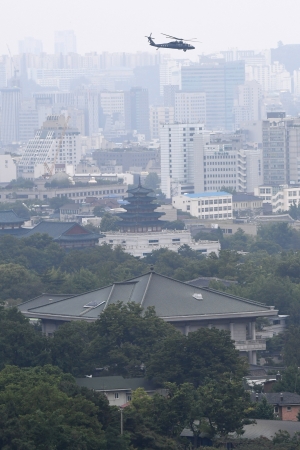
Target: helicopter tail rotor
[(150, 38)]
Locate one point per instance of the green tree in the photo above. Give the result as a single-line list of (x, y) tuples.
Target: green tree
[(70, 347), (20, 343), (225, 404), (109, 223), (18, 283), (291, 346), (262, 410), (57, 202), (20, 183), (152, 181), (201, 355), (126, 338), (43, 408), (175, 225), (99, 211)]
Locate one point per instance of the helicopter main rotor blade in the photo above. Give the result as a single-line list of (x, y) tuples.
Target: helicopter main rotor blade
[(173, 37)]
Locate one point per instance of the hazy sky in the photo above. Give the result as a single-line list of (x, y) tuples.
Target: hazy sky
[(120, 25)]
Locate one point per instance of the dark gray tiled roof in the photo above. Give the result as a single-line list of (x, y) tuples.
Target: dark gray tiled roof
[(10, 217), (18, 232), (262, 428), (41, 300), (58, 231), (268, 428), (171, 298), (115, 383), (288, 398), (204, 281), (54, 229)]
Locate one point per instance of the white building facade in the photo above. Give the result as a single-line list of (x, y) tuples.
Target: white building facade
[(8, 169), (50, 145), (177, 154), (142, 244), (160, 115), (223, 165), (205, 205), (190, 107)]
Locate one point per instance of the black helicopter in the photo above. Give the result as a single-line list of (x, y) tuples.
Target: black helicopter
[(178, 44)]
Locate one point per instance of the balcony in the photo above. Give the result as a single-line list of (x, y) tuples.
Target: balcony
[(249, 345)]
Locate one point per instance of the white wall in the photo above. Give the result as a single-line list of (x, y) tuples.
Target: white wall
[(8, 169)]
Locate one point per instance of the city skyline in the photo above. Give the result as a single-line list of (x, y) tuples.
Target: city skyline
[(122, 27)]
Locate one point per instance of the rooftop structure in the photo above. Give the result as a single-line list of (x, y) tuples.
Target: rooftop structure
[(185, 306)]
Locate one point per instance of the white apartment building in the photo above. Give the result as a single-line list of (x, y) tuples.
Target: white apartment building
[(160, 115), (8, 169), (190, 107), (112, 102), (177, 154), (271, 195), (281, 198), (248, 103), (44, 146), (219, 165), (271, 77), (205, 205), (169, 73), (296, 82), (142, 244)]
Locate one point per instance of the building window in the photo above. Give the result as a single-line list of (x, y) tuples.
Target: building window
[(129, 398), (116, 395), (289, 408), (276, 409)]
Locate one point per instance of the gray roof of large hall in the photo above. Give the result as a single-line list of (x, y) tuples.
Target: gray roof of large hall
[(172, 299)]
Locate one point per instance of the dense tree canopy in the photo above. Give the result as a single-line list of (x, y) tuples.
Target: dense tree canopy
[(42, 408)]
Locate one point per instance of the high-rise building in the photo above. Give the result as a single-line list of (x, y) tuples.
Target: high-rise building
[(52, 144), (190, 107), (139, 111), (169, 94), (30, 45), (28, 120), (115, 107), (10, 99), (177, 154), (247, 103), (281, 149), (160, 115), (65, 42), (218, 80), (224, 163), (88, 101), (169, 74), (3, 80)]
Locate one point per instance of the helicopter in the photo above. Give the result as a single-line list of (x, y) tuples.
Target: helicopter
[(178, 44)]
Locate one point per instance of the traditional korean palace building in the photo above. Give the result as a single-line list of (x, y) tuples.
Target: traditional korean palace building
[(185, 306), (142, 229), (67, 234), (140, 215)]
